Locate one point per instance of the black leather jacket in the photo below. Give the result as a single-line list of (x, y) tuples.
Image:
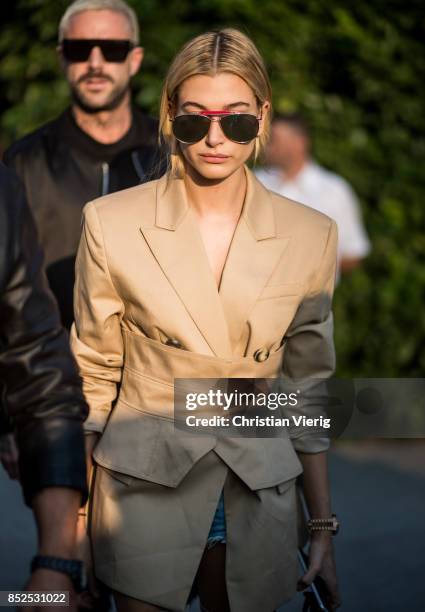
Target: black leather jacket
[(41, 388), (62, 168)]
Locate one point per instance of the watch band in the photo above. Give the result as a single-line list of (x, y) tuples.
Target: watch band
[(71, 567), (324, 524)]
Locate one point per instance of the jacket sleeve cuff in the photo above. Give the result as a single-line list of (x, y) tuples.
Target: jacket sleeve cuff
[(310, 444), (52, 455), (96, 421)]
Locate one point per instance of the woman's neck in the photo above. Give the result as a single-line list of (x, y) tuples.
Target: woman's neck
[(224, 197)]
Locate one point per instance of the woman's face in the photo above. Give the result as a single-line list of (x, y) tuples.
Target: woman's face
[(215, 157)]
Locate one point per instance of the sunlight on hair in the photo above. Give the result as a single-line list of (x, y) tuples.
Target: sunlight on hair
[(227, 50)]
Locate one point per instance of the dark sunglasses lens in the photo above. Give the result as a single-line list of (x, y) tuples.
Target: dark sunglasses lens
[(115, 50), (78, 50), (240, 128), (190, 128)]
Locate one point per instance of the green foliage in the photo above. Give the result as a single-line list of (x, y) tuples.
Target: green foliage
[(355, 70)]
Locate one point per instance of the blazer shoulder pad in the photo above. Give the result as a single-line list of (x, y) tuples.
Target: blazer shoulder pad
[(294, 217), (135, 202)]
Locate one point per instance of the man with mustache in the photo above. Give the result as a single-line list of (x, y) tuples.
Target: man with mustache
[(100, 144)]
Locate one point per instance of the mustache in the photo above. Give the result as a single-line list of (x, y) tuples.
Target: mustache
[(92, 75)]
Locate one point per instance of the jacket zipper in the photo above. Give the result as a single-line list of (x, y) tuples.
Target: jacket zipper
[(105, 178), (138, 166)]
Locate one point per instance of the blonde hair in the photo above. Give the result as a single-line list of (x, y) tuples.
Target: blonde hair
[(227, 50), (117, 6)]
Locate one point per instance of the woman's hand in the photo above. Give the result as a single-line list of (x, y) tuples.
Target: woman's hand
[(322, 563)]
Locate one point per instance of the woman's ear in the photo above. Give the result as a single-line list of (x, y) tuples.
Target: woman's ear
[(264, 110), (171, 109)]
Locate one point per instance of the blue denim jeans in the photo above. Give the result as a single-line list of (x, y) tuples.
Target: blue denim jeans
[(217, 532)]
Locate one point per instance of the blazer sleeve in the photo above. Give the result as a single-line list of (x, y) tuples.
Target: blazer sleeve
[(309, 352), (96, 338)]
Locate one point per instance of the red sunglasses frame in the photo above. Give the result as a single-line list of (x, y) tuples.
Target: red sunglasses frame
[(218, 113)]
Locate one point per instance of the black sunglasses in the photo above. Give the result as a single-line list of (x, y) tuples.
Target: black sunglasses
[(238, 127), (79, 49)]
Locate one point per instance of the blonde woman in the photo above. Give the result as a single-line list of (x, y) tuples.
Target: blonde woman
[(202, 274)]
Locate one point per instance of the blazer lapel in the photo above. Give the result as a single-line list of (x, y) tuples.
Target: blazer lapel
[(176, 244), (254, 253)]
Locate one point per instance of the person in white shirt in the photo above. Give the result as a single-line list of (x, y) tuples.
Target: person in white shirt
[(292, 173)]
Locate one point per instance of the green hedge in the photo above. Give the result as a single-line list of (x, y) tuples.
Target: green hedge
[(355, 70)]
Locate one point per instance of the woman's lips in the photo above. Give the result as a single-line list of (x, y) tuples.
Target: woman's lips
[(214, 159)]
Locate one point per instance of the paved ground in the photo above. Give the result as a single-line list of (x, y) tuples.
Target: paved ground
[(379, 496)]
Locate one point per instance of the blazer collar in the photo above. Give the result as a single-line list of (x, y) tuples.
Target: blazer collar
[(171, 203), (254, 252), (258, 209), (172, 206)]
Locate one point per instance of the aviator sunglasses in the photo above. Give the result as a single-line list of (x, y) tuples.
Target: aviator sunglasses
[(79, 49), (238, 127)]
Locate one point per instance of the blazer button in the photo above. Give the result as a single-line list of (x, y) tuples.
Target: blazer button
[(261, 355), (173, 342)]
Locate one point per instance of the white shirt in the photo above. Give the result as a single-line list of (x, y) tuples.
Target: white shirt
[(330, 194)]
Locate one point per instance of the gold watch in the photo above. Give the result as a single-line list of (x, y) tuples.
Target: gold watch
[(323, 524)]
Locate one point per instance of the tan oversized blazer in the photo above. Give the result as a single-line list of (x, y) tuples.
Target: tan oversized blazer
[(147, 311)]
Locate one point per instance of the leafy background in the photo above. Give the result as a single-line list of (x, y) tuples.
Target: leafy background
[(356, 70)]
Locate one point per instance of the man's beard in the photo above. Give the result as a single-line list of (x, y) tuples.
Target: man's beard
[(114, 99)]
